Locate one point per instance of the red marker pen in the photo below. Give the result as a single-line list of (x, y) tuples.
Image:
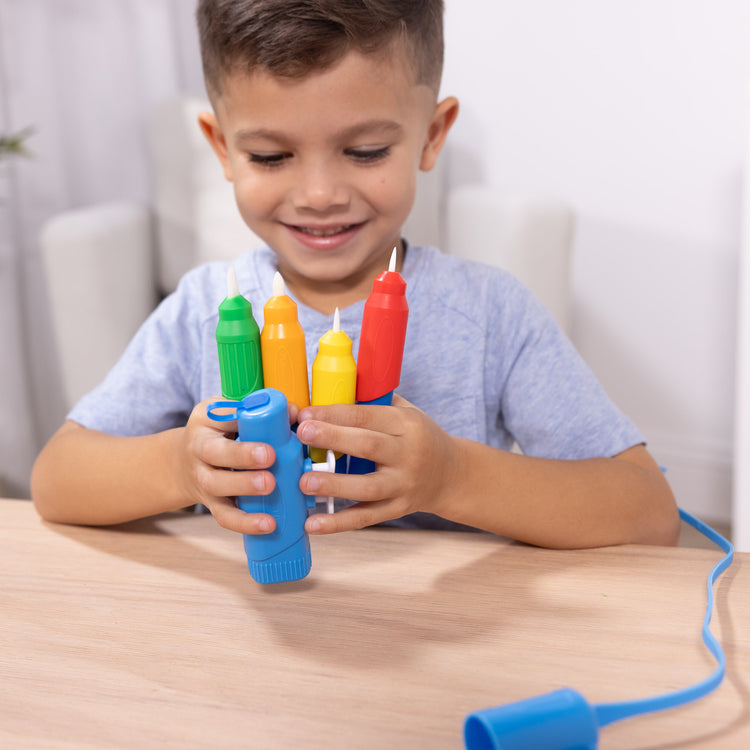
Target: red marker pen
[(381, 340), (381, 346)]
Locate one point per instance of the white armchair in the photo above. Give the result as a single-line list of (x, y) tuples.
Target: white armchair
[(107, 265)]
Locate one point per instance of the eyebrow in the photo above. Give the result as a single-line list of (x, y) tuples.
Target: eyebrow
[(385, 127)]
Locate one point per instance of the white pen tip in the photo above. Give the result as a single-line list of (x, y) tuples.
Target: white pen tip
[(392, 264), (278, 285), (336, 321), (233, 288)]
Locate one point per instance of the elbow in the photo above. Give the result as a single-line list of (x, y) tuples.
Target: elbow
[(54, 478), (654, 515), (42, 495), (47, 490), (663, 527), (667, 529)]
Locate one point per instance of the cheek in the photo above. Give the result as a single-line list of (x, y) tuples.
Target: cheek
[(393, 192), (254, 197)]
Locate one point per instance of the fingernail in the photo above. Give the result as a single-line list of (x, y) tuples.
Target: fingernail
[(264, 525), (259, 482), (306, 432), (312, 483), (313, 524), (260, 454)]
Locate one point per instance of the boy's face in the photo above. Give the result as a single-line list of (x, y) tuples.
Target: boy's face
[(324, 167)]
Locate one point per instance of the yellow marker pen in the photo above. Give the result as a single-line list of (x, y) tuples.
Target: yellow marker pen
[(334, 373), (282, 345)]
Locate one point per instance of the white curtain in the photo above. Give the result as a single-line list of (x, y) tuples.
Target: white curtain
[(84, 74)]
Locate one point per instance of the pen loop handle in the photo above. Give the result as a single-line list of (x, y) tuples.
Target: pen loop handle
[(222, 405)]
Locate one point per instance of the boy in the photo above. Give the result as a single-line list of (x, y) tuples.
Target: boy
[(323, 113)]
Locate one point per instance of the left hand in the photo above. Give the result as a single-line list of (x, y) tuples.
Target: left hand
[(417, 462)]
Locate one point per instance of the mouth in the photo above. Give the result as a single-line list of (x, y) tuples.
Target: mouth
[(325, 238), (329, 231)]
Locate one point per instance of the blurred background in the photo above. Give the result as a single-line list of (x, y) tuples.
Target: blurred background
[(632, 111)]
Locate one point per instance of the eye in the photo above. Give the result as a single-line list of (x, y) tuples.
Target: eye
[(268, 160), (368, 155)]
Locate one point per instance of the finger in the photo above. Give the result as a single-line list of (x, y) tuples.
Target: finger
[(293, 411), (370, 417), (223, 483), (367, 488), (233, 454), (350, 519), (373, 445), (229, 516)]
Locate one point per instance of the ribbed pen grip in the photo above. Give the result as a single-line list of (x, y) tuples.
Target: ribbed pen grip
[(279, 570), (240, 368)]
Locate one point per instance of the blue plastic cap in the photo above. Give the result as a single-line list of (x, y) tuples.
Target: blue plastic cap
[(256, 400), (561, 720), (263, 418)]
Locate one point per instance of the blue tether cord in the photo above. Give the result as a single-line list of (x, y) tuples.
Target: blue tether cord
[(606, 713), (564, 719)]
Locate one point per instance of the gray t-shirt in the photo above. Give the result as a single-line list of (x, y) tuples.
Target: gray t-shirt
[(482, 357)]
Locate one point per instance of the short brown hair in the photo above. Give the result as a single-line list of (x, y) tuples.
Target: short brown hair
[(291, 38)]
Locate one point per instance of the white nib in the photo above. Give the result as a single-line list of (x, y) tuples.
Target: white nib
[(233, 288), (336, 321), (330, 467), (279, 290), (392, 264)]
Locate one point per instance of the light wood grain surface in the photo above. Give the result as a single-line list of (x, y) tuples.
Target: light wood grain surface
[(154, 635)]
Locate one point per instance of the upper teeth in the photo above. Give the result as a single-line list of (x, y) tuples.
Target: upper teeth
[(321, 232)]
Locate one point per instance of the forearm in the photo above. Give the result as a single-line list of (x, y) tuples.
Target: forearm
[(563, 504), (87, 477)]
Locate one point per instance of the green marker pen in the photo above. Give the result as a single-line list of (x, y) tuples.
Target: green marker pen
[(238, 342)]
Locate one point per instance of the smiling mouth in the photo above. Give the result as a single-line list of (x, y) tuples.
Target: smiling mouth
[(325, 231)]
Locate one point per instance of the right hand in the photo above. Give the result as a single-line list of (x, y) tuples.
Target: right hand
[(215, 469)]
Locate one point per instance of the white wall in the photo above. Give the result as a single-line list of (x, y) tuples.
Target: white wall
[(634, 112)]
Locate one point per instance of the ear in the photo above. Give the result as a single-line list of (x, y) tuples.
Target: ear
[(442, 120), (209, 124)]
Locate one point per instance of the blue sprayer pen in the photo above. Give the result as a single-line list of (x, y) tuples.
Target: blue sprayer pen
[(284, 554)]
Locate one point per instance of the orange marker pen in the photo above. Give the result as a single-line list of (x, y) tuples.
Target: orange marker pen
[(282, 345)]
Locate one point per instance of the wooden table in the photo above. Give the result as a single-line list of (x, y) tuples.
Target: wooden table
[(153, 634)]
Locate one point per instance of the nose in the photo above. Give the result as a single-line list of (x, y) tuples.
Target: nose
[(321, 188)]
